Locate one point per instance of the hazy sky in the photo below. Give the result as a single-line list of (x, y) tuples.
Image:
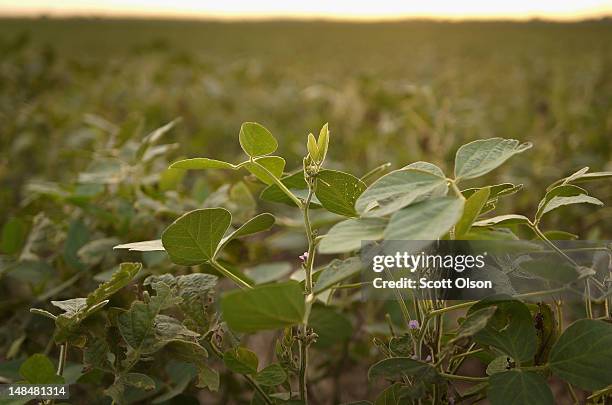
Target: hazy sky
[(556, 9)]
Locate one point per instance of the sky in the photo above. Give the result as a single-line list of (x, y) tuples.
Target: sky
[(334, 9)]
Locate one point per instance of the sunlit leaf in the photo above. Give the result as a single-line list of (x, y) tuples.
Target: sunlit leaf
[(480, 157)]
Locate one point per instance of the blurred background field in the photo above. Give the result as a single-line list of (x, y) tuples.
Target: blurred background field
[(396, 91), (78, 97)]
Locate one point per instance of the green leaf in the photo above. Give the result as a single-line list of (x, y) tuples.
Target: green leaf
[(398, 189), (330, 325), (268, 272), (78, 309), (347, 235), (193, 238), (271, 376), (395, 367), (427, 220), (323, 142), (474, 323), (559, 201), (273, 164), (473, 207), (144, 246), (119, 279), (557, 194), (142, 327), (208, 378), (201, 164), (256, 140), (426, 167), (13, 236), (78, 235), (519, 388), (581, 176), (336, 272), (241, 360), (38, 369), (270, 306), (260, 223), (140, 381), (550, 269), (583, 354), (313, 149), (497, 190), (509, 219), (560, 235), (296, 184), (337, 191), (375, 173), (480, 157), (510, 330), (196, 293), (390, 396)]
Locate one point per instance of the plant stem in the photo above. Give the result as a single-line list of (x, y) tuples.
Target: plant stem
[(464, 377), (540, 234), (280, 185), (465, 354), (249, 379), (241, 283), (451, 308), (535, 368), (308, 290), (62, 358)]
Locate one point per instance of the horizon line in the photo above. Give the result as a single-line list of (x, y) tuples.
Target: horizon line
[(313, 17)]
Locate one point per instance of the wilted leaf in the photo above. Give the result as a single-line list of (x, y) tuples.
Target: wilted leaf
[(144, 246)]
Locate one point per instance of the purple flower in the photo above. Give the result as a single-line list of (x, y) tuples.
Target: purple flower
[(304, 257), (428, 358), (413, 324)]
